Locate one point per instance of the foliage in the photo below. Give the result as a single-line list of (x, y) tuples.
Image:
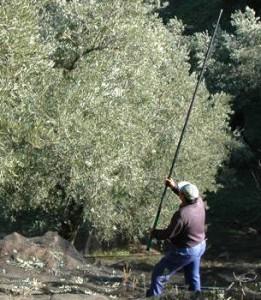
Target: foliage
[(93, 99), (235, 69), (26, 128), (233, 53)]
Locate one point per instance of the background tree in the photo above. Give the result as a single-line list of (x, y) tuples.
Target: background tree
[(235, 69)]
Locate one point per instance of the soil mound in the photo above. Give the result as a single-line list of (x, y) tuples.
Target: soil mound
[(48, 251)]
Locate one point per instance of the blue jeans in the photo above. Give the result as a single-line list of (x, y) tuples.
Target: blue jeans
[(187, 259)]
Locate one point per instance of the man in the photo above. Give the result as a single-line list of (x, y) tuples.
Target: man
[(186, 234)]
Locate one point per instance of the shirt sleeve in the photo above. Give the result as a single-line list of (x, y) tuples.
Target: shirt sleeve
[(174, 228), (175, 190)]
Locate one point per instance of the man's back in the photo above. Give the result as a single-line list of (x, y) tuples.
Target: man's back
[(191, 219)]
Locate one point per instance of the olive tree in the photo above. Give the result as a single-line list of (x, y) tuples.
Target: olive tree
[(101, 92)]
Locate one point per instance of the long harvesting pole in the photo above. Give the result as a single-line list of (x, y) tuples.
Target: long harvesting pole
[(185, 125)]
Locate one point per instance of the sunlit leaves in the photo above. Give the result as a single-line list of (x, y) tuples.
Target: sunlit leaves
[(96, 112)]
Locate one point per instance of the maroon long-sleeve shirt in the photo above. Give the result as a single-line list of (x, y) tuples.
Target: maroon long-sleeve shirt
[(187, 226)]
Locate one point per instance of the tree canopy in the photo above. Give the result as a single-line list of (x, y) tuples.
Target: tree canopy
[(93, 99)]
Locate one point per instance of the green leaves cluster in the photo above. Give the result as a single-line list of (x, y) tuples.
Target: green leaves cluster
[(235, 68), (93, 100), (237, 56), (26, 79)]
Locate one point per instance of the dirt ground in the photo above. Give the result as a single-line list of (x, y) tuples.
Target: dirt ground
[(232, 262), (49, 265)]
